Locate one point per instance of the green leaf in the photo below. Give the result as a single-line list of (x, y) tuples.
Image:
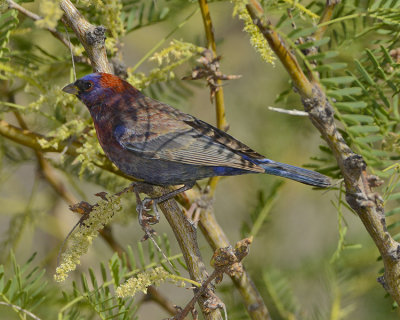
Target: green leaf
[(338, 80), (331, 66), (350, 106), (323, 55), (317, 43), (393, 212), (345, 92), (364, 73), (369, 139), (357, 118), (364, 129), (394, 196), (298, 33)]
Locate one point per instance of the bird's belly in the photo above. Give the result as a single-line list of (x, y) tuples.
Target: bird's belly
[(156, 171)]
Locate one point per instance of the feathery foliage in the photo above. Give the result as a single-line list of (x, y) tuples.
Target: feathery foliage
[(356, 61)]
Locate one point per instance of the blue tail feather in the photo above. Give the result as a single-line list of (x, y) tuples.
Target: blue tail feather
[(294, 173)]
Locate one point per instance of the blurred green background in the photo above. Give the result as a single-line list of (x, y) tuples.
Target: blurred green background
[(301, 233)]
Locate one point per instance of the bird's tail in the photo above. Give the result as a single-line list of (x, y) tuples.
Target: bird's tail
[(295, 173)]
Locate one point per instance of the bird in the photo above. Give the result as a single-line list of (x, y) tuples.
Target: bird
[(153, 142)]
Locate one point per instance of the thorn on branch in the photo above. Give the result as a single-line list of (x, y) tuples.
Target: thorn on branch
[(355, 161), (374, 181), (359, 201), (83, 208), (382, 281), (213, 303), (96, 37), (395, 254), (209, 70), (119, 68)]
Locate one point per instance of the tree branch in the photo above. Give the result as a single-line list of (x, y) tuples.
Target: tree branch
[(186, 235), (92, 37), (326, 16), (287, 58), (366, 203)]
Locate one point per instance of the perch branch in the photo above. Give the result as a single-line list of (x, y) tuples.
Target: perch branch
[(366, 203), (186, 235)]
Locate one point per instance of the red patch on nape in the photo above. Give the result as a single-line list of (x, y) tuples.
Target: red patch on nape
[(108, 80)]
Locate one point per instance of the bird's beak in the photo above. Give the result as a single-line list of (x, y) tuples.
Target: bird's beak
[(71, 88)]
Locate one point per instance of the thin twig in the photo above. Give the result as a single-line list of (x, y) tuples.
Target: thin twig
[(219, 95), (293, 112), (35, 17), (33, 316), (225, 260), (181, 315), (65, 41), (326, 16)]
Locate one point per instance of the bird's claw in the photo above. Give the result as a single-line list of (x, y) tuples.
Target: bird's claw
[(147, 202), (143, 208)]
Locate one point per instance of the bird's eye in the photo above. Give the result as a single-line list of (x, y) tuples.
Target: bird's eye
[(87, 85)]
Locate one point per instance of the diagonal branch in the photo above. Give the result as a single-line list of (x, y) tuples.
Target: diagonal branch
[(366, 203), (92, 37), (326, 16), (286, 57)]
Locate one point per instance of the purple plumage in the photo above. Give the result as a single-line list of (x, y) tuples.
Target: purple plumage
[(153, 142)]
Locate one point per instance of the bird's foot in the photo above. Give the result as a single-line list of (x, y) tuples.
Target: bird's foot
[(145, 206), (147, 202)]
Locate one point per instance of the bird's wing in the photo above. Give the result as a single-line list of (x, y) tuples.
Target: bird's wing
[(158, 131)]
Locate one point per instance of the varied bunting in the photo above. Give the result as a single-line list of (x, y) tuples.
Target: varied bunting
[(158, 144)]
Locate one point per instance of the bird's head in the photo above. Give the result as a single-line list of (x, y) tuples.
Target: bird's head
[(95, 88)]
